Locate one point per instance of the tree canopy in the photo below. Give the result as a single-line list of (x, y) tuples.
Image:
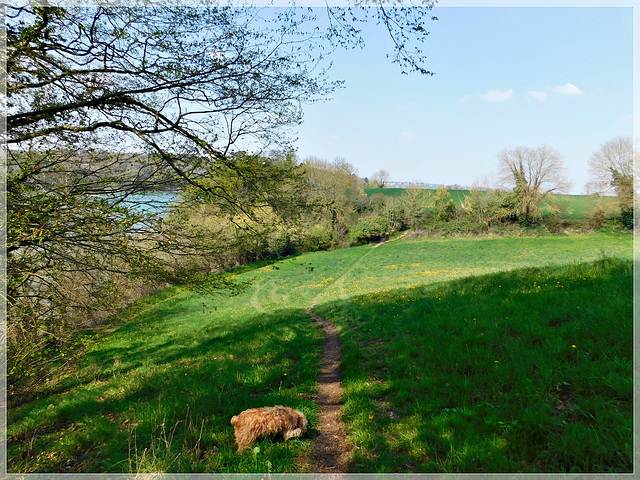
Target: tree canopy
[(106, 102), (612, 169)]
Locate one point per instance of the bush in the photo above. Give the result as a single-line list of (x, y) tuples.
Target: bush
[(597, 218), (626, 217), (369, 229), (317, 238), (444, 206), (281, 246), (555, 223)]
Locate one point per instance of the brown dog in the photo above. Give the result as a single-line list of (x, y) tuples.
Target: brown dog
[(256, 423)]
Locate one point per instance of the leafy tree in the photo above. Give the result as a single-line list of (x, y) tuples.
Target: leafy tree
[(481, 207), (624, 188), (531, 174), (444, 208), (104, 103), (415, 202), (332, 191), (231, 238), (369, 228)]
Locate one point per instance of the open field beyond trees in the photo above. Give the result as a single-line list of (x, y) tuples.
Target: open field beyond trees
[(469, 354), (574, 207)]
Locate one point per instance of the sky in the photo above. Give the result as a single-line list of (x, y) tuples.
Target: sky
[(505, 77)]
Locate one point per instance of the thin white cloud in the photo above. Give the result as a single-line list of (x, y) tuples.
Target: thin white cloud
[(498, 95), (538, 95), (407, 135), (568, 89)]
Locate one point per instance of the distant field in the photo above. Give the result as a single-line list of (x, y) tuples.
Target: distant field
[(580, 206), (389, 192), (574, 207), (471, 354), (456, 195)]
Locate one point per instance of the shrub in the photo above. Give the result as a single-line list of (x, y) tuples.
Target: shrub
[(444, 206), (626, 217), (369, 229), (318, 237), (597, 218), (281, 246)]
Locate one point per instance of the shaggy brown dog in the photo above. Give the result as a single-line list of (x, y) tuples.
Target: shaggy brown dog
[(259, 422)]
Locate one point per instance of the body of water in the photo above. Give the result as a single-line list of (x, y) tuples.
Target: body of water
[(151, 202)]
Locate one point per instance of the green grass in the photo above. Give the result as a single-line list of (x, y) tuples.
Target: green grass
[(388, 191), (579, 207), (423, 322), (525, 371), (158, 394), (456, 195)]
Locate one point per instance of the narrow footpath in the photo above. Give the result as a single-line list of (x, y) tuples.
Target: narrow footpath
[(331, 451)]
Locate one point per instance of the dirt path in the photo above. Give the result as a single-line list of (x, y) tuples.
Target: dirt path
[(392, 240), (331, 451)]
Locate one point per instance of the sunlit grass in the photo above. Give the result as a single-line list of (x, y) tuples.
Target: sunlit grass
[(432, 354)]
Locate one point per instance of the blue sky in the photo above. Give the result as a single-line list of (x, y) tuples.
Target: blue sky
[(505, 77)]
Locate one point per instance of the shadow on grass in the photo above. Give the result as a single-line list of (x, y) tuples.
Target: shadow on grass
[(524, 371), (167, 407)]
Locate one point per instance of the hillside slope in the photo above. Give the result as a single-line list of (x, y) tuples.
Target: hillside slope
[(157, 394)]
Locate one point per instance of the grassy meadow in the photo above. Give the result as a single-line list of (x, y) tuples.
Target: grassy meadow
[(468, 354)]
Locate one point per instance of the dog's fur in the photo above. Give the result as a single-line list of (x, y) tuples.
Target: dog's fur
[(256, 423)]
